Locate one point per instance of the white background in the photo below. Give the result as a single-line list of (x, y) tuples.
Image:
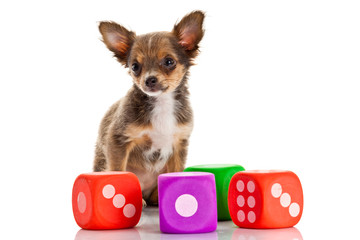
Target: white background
[(276, 86)]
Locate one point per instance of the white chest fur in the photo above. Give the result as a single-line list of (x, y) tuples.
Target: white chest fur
[(163, 129)]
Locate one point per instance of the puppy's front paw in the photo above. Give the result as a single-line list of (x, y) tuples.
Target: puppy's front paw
[(144, 203)]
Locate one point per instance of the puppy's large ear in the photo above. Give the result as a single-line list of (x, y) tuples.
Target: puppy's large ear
[(190, 31), (118, 39)]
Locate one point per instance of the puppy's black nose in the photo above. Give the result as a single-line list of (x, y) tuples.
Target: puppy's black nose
[(151, 81)]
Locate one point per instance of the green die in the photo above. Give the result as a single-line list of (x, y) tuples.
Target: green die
[(223, 174)]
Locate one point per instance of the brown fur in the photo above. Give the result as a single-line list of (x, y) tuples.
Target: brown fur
[(135, 132)]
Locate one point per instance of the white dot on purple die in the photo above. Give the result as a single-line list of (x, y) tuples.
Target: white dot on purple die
[(285, 200), (186, 205), (240, 186), (240, 201), (251, 186), (129, 210), (108, 191), (241, 216), (119, 200)]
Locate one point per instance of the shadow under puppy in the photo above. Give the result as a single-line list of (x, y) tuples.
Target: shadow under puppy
[(147, 131)]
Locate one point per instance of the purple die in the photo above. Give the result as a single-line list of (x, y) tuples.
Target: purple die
[(187, 202)]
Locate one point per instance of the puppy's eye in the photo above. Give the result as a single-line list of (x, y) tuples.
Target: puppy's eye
[(169, 62), (136, 68)]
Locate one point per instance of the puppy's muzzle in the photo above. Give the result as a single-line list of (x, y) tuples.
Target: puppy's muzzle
[(152, 84)]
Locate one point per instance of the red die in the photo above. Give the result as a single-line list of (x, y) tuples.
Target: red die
[(265, 199), (107, 200)]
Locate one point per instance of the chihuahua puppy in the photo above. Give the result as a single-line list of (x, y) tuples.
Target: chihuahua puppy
[(147, 132)]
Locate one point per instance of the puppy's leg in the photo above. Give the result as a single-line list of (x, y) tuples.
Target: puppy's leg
[(153, 199), (118, 151), (176, 162), (100, 160), (144, 203)]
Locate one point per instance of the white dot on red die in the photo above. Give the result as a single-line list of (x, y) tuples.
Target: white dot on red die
[(294, 209), (186, 205), (251, 217), (251, 186), (276, 190), (285, 200), (240, 186), (240, 201), (108, 191), (129, 210), (119, 201), (81, 202), (241, 216), (251, 201)]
